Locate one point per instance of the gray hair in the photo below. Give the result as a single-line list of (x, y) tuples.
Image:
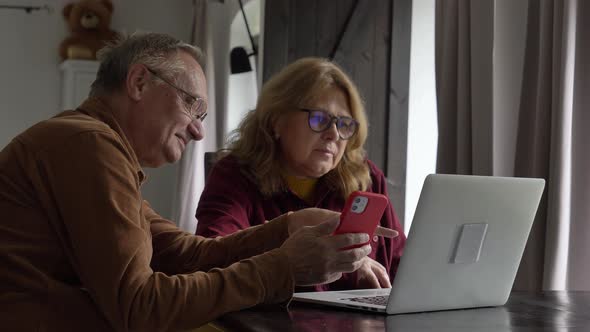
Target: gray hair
[(157, 51)]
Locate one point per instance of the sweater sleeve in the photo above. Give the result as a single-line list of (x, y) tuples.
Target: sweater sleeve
[(109, 245), (225, 205), (176, 251)]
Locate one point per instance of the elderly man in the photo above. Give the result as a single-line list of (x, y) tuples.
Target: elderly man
[(81, 250)]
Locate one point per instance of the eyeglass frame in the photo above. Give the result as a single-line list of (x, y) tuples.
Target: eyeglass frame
[(199, 117), (333, 120)]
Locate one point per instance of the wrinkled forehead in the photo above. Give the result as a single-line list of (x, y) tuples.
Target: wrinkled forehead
[(194, 76)]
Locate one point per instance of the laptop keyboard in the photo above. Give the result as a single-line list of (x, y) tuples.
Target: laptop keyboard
[(376, 300)]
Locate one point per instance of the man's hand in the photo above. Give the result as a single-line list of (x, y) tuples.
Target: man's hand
[(309, 217), (316, 258), (371, 274), (315, 216)]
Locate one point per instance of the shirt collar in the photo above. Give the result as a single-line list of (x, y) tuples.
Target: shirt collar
[(99, 109)]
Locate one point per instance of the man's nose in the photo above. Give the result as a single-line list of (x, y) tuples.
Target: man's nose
[(196, 130)]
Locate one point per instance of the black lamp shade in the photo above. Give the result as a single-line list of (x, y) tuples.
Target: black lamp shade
[(239, 62)]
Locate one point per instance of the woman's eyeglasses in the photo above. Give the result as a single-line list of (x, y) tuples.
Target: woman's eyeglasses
[(320, 121), (196, 106)]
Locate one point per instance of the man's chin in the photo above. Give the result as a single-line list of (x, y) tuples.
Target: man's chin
[(170, 157), (173, 158)]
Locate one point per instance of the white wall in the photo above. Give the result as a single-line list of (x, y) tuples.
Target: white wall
[(242, 92), (30, 82), (422, 119)]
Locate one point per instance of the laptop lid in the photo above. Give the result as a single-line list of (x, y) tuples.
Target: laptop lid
[(465, 243), (463, 248)]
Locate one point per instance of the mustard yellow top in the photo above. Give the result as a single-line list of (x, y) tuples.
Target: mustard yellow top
[(302, 187)]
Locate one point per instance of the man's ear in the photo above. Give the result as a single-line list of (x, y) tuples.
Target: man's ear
[(137, 81)]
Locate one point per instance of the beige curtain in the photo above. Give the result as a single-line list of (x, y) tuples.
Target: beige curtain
[(550, 134), (554, 113), (578, 274), (463, 38), (191, 176), (211, 32)]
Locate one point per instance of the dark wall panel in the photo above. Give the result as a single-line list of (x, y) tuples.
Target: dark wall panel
[(399, 77), (276, 41)]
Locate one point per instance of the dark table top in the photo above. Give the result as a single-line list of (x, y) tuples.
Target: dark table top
[(525, 311)]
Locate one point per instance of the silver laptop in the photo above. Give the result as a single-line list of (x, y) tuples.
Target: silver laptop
[(463, 248)]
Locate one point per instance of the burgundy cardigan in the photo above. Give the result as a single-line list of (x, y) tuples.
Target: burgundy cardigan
[(231, 202)]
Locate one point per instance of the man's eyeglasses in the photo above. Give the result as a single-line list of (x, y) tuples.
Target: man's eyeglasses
[(321, 120), (196, 106)]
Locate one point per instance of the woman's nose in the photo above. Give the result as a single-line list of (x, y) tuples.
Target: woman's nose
[(332, 132)]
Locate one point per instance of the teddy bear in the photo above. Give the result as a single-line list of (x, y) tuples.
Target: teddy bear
[(88, 22)]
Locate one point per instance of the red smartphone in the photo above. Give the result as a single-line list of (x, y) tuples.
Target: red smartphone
[(362, 213)]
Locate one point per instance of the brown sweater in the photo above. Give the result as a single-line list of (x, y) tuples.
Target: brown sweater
[(80, 250)]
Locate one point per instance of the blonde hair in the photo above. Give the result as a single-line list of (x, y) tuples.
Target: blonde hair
[(296, 85)]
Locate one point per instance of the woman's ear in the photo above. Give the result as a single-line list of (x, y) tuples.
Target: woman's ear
[(278, 129), (137, 79)]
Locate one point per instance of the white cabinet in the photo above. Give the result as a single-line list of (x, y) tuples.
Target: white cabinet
[(77, 76)]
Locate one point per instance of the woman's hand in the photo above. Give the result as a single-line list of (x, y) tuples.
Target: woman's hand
[(371, 274)]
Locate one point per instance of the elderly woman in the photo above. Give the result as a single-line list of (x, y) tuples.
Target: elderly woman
[(301, 147)]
